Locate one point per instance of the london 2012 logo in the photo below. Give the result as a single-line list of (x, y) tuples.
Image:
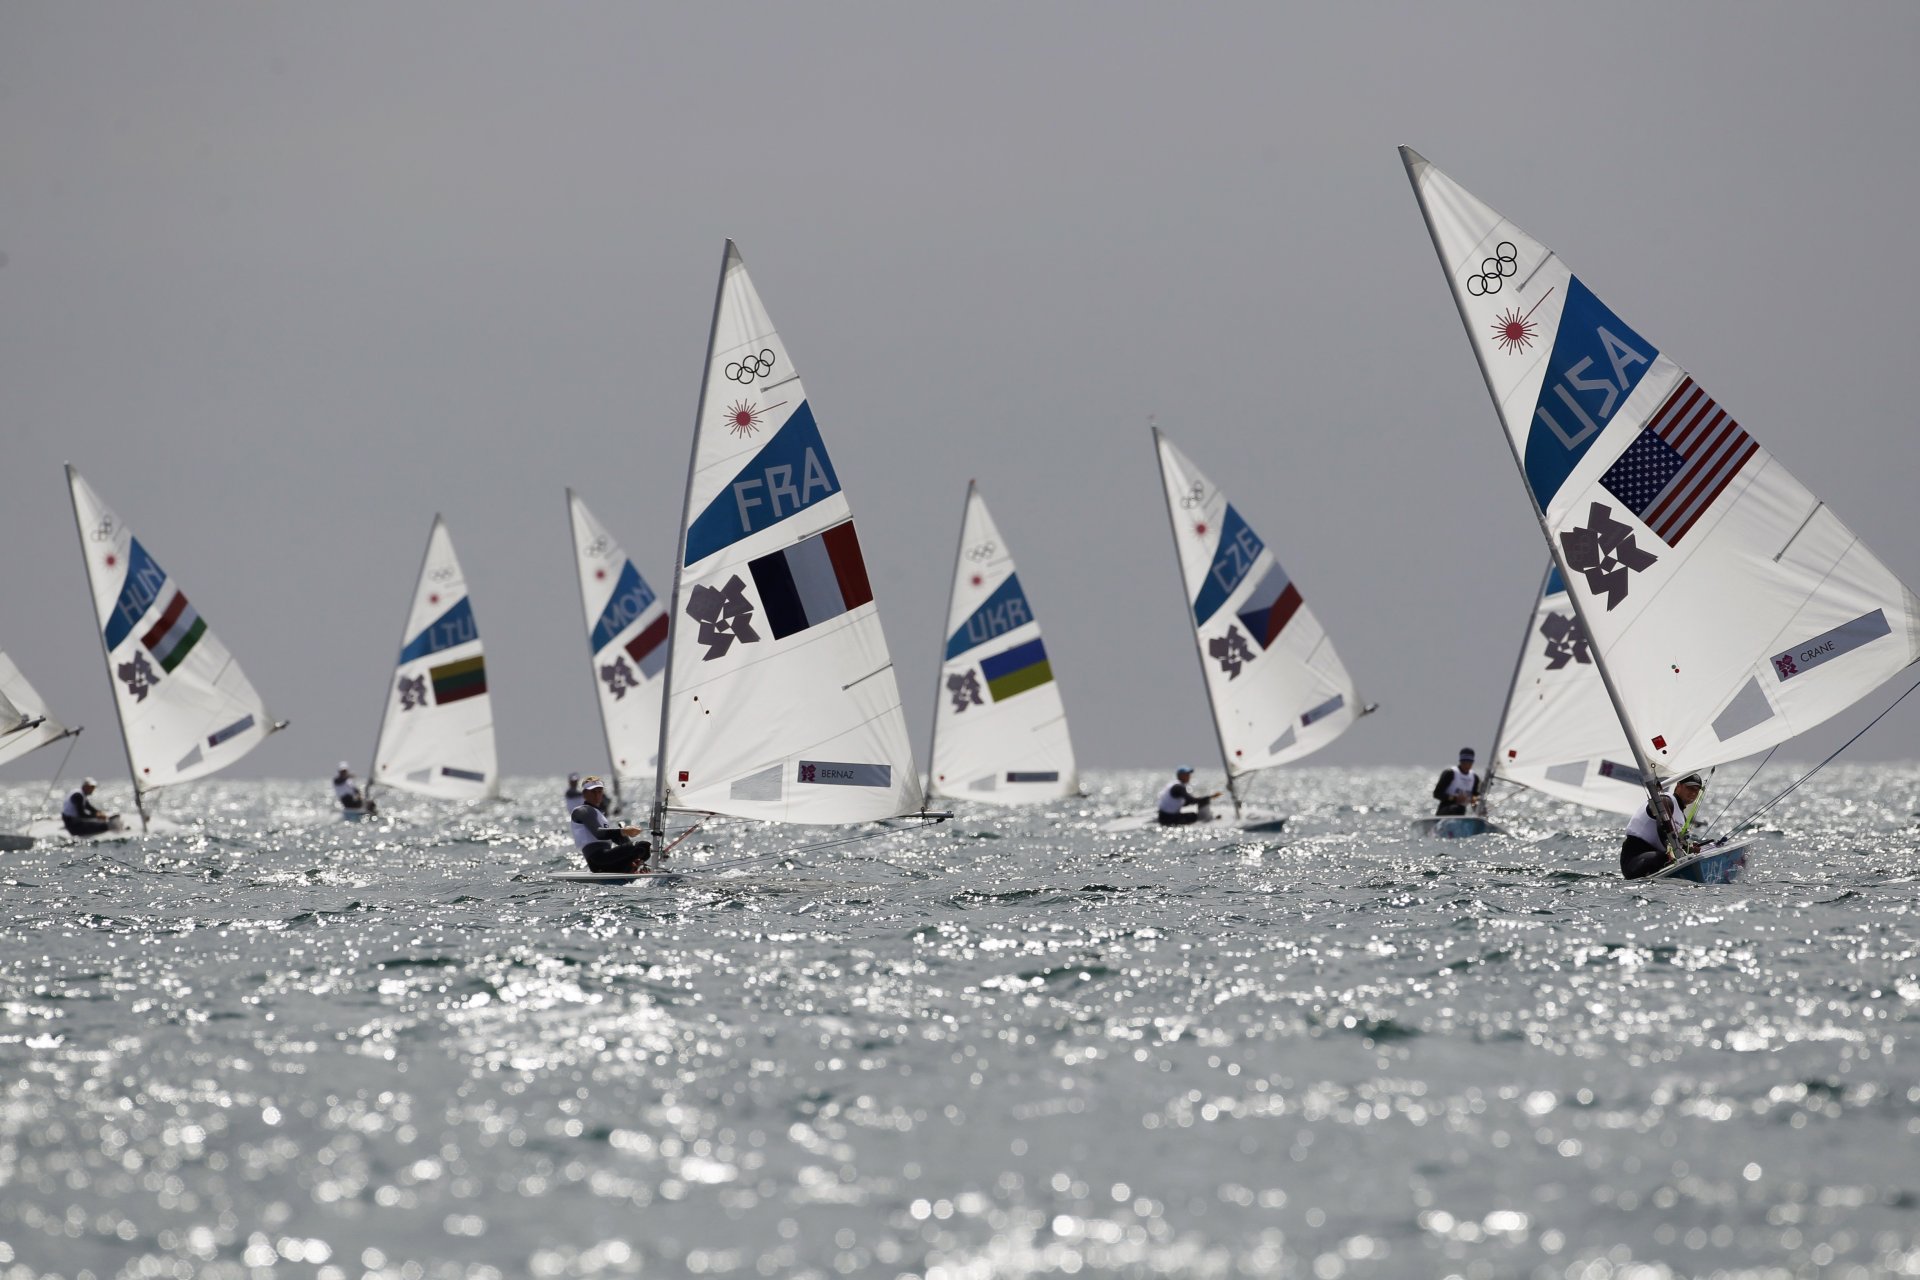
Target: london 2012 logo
[(1495, 270), (748, 368)]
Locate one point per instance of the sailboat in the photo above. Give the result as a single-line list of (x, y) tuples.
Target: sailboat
[(1557, 733), (25, 726), (1277, 689), (436, 731), (186, 709), (780, 701), (999, 728), (1726, 608), (626, 645)]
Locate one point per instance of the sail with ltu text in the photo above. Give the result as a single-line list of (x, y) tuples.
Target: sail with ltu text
[(999, 727), (1558, 734), (1277, 688), (186, 708), (780, 699), (1727, 607), (25, 724), (626, 644), (436, 732)]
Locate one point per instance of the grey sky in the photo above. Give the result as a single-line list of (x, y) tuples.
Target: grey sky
[(284, 280)]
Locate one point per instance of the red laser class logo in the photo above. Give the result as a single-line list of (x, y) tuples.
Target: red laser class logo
[(1515, 332), (744, 416)]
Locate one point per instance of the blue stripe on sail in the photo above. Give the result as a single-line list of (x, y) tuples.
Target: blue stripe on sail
[(1239, 547), (455, 626), (1556, 585), (1596, 363), (1005, 610), (788, 475), (631, 596), (142, 587)]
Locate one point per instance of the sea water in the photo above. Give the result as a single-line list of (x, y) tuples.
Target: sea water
[(278, 1044)]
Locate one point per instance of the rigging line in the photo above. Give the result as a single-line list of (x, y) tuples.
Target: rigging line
[(683, 835), (1743, 786), (1823, 764), (53, 787)]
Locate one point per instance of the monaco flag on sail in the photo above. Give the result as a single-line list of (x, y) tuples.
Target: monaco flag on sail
[(1693, 556)]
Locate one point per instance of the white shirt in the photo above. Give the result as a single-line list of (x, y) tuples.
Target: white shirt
[(1464, 784), (1643, 825), (1171, 803), (77, 806), (345, 789), (584, 835)]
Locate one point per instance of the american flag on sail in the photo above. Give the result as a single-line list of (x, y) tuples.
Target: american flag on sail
[(1677, 466)]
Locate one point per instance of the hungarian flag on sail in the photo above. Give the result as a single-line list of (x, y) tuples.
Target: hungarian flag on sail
[(175, 632), (1680, 462)]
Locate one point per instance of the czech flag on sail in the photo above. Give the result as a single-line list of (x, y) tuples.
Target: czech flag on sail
[(173, 635), (1272, 605), (1689, 452), (1017, 670), (813, 581)]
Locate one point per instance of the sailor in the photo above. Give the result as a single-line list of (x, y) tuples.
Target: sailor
[(1644, 851), (1458, 790), (573, 796), (79, 816), (1175, 800), (347, 791), (607, 848)]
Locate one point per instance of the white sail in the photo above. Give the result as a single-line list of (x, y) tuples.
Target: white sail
[(999, 728), (1278, 689), (781, 701), (1558, 734), (1730, 608), (436, 734), (626, 643), (24, 723), (186, 708)]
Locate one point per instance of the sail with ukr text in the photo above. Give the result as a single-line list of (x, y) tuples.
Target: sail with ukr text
[(999, 727), (781, 702), (1277, 688), (626, 643), (436, 732), (1730, 607), (25, 724), (186, 708), (1558, 734)]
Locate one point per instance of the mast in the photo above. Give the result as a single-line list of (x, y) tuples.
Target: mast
[(606, 735), (1173, 531), (659, 823), (1526, 638), (106, 658), (1647, 775), (953, 584), (386, 707)]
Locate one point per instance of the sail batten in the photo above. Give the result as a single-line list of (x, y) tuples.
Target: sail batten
[(436, 728), (999, 725), (1277, 688), (1728, 609), (779, 697), (186, 709)]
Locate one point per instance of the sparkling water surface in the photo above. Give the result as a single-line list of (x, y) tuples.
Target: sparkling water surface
[(273, 1043)]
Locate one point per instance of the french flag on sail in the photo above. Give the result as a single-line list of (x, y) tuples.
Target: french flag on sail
[(1688, 454)]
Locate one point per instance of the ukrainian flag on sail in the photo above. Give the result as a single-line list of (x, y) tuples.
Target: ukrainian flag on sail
[(1017, 670)]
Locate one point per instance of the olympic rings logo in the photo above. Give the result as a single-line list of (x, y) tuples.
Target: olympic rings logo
[(443, 573), (103, 532), (745, 371), (1503, 263), (599, 547), (982, 552), (1195, 496)]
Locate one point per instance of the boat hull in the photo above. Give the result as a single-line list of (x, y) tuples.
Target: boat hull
[(1458, 826), (10, 843), (1710, 866)]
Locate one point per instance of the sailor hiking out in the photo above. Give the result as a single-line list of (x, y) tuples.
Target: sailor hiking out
[(79, 816), (606, 847), (1458, 790), (1177, 798), (1644, 851), (346, 789)]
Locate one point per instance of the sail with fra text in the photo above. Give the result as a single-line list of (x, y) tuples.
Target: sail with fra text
[(781, 700), (436, 732), (1277, 688), (186, 708), (999, 727), (1729, 606), (626, 643)]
